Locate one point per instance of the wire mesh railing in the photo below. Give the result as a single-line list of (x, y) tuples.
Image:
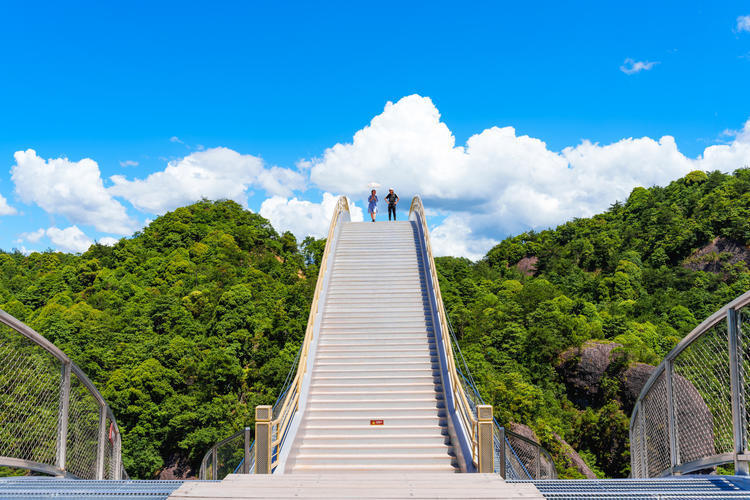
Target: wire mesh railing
[(516, 456), (52, 418), (233, 455), (691, 414)]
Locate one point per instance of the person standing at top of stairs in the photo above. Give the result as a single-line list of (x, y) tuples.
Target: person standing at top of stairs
[(372, 206), (392, 202)]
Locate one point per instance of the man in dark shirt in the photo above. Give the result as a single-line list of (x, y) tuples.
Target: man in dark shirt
[(392, 202)]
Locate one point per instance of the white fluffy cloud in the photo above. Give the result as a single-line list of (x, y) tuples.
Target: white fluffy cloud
[(743, 23), (453, 238), (214, 173), (631, 67), (6, 209), (304, 218), (33, 236), (108, 241), (70, 188), (70, 239), (500, 182)]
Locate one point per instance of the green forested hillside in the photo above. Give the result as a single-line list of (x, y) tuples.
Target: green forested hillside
[(628, 276), (188, 325), (184, 327)]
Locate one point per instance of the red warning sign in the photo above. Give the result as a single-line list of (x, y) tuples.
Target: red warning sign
[(376, 422)]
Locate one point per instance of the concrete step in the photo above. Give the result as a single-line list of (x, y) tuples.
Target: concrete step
[(365, 304), (381, 439), (397, 321), (375, 411), (377, 355), (415, 432), (393, 387), (390, 344), (382, 329), (375, 366), (340, 421), (374, 296), (365, 288), (363, 450), (375, 393), (377, 403), (371, 265), (382, 339), (382, 349), (347, 372), (370, 468), (347, 460), (346, 379)]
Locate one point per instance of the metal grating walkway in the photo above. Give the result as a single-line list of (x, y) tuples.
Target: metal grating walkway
[(42, 488), (688, 488), (685, 487)]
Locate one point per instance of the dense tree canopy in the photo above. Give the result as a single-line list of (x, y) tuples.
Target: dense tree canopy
[(184, 327), (630, 275), (189, 324)]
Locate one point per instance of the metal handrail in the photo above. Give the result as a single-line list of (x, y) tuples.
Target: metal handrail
[(465, 393), (650, 436), (210, 460), (463, 408), (68, 370), (280, 424)]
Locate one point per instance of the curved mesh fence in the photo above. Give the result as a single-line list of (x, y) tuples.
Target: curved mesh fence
[(29, 399), (691, 414), (52, 418), (229, 456)]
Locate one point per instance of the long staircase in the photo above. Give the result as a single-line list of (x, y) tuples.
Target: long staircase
[(376, 400)]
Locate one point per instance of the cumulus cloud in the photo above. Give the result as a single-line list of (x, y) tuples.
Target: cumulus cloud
[(453, 238), (108, 241), (630, 66), (33, 236), (214, 173), (70, 188), (743, 23), (304, 218), (6, 209), (70, 239), (501, 182)]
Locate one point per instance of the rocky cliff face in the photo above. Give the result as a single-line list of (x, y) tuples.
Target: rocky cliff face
[(583, 368), (717, 254)]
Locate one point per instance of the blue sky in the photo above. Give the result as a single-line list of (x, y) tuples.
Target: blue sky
[(282, 84)]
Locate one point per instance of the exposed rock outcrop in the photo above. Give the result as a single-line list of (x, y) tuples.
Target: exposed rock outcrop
[(527, 265), (572, 458), (720, 252), (177, 467), (582, 370)]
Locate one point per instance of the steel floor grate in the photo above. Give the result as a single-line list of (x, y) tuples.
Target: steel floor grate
[(686, 487), (41, 488)]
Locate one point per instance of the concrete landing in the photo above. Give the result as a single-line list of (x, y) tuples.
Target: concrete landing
[(358, 485)]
